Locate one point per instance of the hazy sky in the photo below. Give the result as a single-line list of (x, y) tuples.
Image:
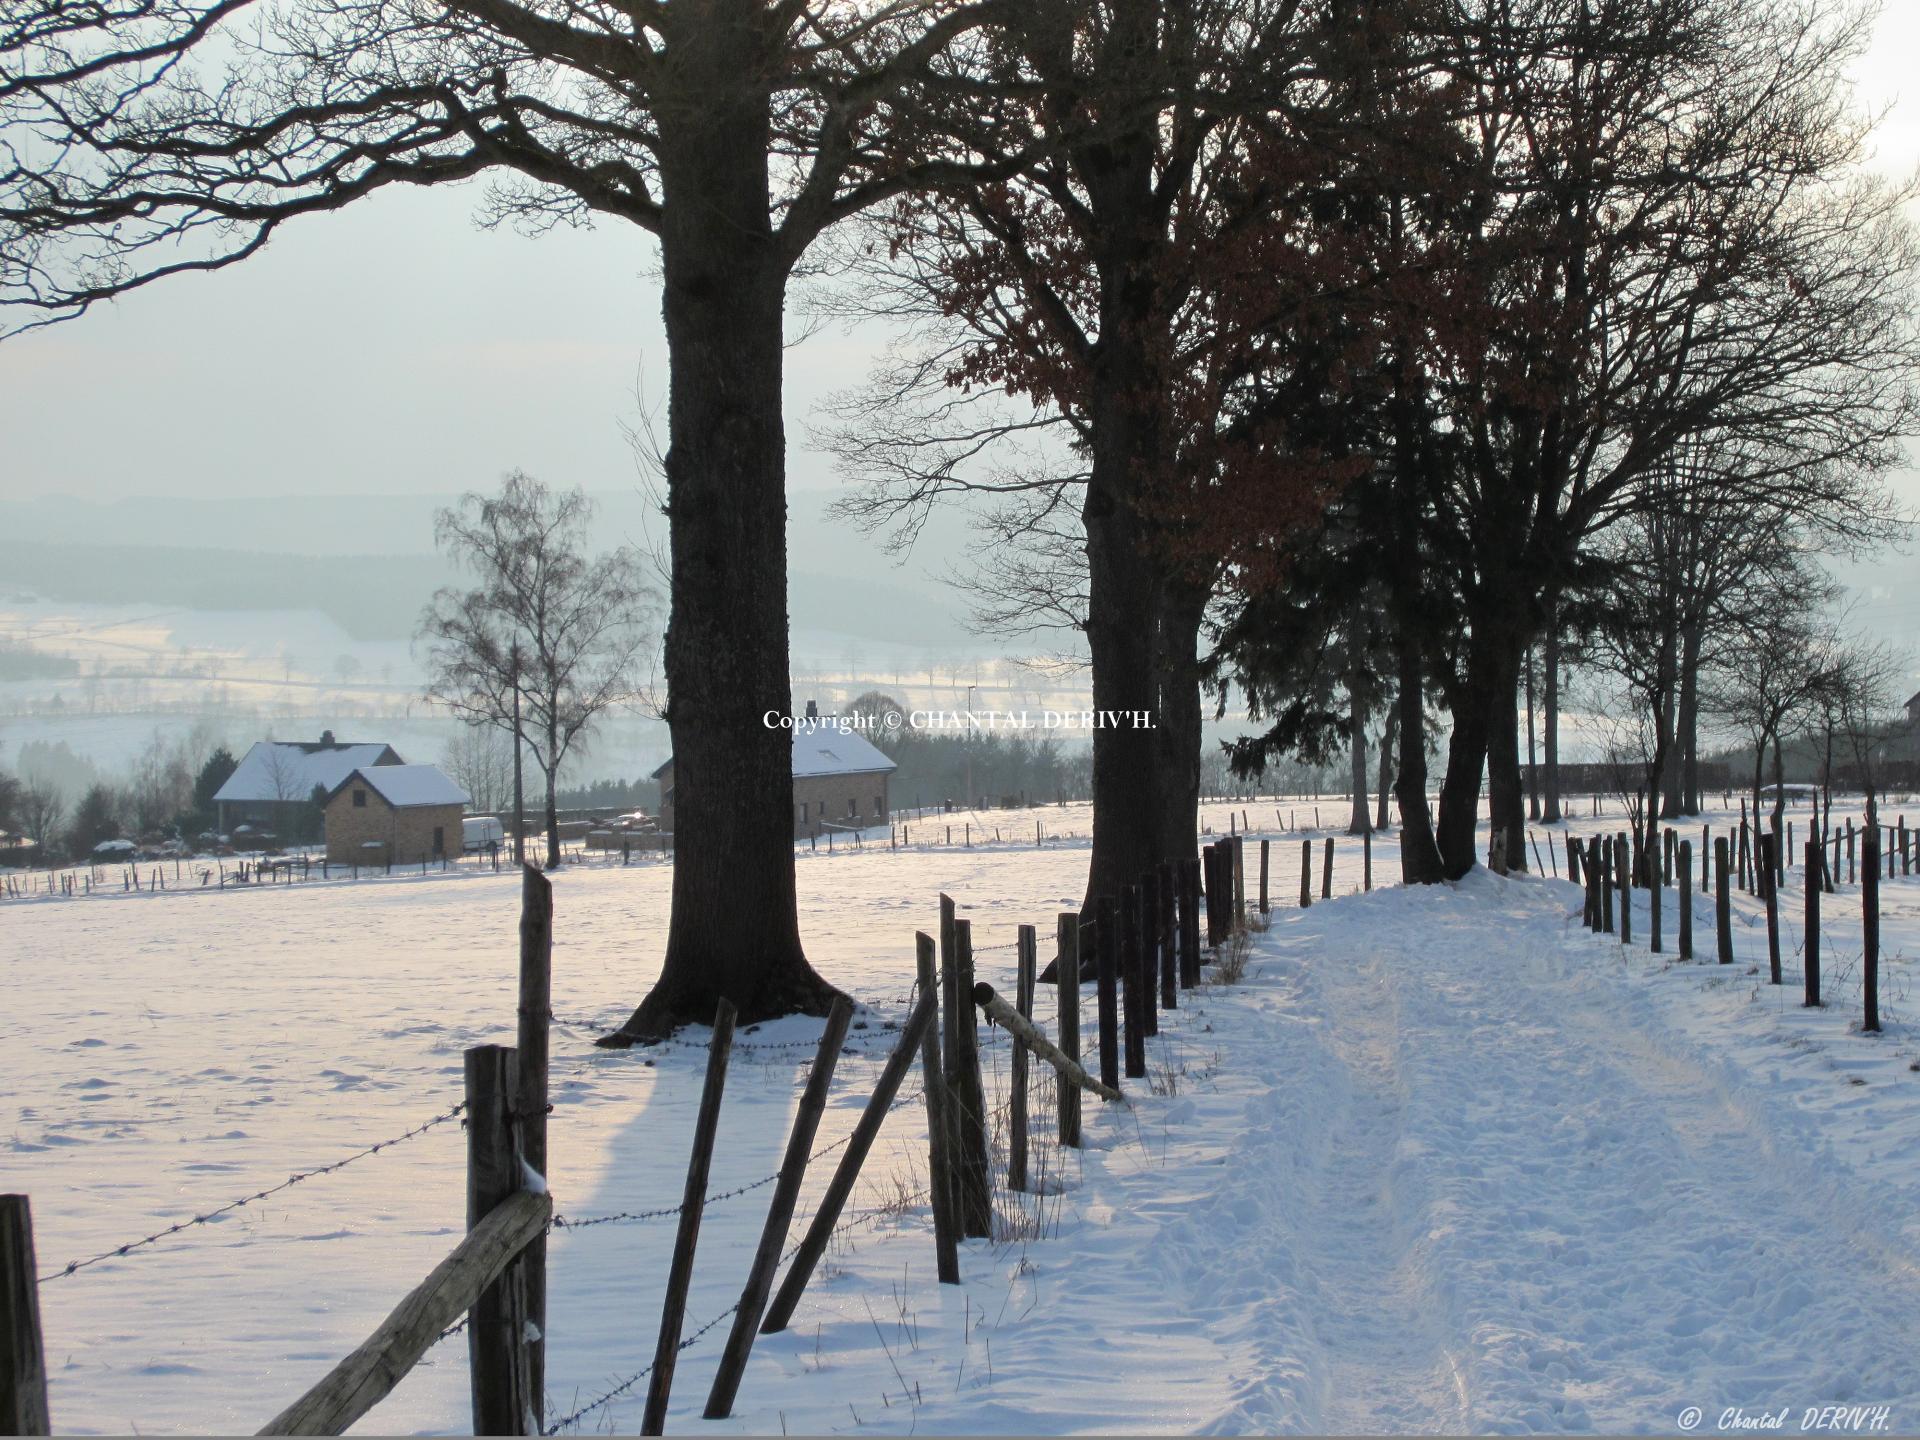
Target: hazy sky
[(398, 348)]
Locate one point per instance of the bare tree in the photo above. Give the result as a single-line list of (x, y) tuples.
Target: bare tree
[(545, 632), (41, 809), (479, 757)]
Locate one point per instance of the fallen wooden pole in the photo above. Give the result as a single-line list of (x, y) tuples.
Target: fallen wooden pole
[(369, 1374), (1030, 1035), (814, 1245)]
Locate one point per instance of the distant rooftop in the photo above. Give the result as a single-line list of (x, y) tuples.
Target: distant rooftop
[(281, 770), (405, 786)]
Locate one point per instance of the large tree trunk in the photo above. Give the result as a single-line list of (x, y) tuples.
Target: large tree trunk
[(1506, 796), (1419, 853), (1687, 720), (1533, 759), (1550, 717), (1177, 729), (1459, 816), (734, 932)]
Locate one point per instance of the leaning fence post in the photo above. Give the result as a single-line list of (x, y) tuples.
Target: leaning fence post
[(1870, 927), (1684, 858), (1812, 967), (814, 1244), (940, 1133), (786, 1194), (497, 1329), (23, 1361), (1067, 982), (693, 1200), (1017, 1121)]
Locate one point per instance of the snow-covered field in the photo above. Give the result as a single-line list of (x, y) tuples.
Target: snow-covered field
[(1442, 1161)]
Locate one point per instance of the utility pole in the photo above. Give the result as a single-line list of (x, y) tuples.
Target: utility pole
[(519, 792)]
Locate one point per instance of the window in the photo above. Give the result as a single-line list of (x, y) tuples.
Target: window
[(853, 808), (439, 840), (359, 799), (879, 807)]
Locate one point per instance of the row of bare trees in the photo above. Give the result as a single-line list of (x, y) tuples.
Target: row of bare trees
[(1322, 347)]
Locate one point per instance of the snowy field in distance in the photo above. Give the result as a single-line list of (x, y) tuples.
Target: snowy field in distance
[(1443, 1161)]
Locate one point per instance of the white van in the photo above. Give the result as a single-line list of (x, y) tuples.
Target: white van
[(481, 834)]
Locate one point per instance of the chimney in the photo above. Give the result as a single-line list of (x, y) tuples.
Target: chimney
[(813, 710), (326, 739)]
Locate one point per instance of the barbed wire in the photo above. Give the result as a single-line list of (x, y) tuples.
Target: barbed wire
[(298, 1177)]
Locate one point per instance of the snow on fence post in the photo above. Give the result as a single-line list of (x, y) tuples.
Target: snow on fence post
[(534, 1014), (693, 1200), (1684, 860), (1326, 870), (1722, 900), (1026, 949), (1812, 964), (1870, 928), (1166, 934), (825, 1218), (1067, 985), (1306, 873), (497, 1329), (786, 1194), (1106, 950), (23, 1361), (973, 1182), (1190, 921), (1136, 1040), (940, 1132), (1770, 893)]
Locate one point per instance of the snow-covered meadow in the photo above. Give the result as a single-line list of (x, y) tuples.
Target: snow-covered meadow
[(1441, 1161)]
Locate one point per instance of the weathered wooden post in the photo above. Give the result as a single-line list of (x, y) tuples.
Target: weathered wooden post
[(1067, 978), (1622, 857), (23, 1360), (1812, 967), (1604, 846), (1239, 850), (786, 1194), (1149, 951), (1136, 1040), (1210, 874), (1106, 953), (1263, 877), (940, 1134), (1770, 893), (1869, 928), (1306, 873), (1190, 922), (827, 1216), (1366, 858), (1852, 877), (693, 1200), (1326, 870), (497, 1350), (1654, 895), (1684, 859), (968, 1095), (1027, 949), (1573, 859), (1722, 900)]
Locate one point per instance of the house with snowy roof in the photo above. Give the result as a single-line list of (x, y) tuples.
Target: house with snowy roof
[(272, 788), (839, 777), (394, 815)]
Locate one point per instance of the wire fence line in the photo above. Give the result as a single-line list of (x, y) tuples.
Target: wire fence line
[(73, 1267)]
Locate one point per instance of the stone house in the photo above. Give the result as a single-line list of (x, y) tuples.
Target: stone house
[(839, 778), (272, 787), (394, 815)]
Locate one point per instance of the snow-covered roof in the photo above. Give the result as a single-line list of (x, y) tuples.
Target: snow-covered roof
[(290, 769), (820, 748), (405, 786)]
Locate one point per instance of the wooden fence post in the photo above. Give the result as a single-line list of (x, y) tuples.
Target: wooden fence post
[(786, 1194), (1654, 896), (1239, 882), (1768, 842), (1869, 926), (1684, 859), (1168, 938), (1366, 859), (497, 1328), (1263, 877), (1136, 1040), (1722, 900), (1326, 870), (534, 1014), (23, 1361), (814, 1244), (1622, 857), (1190, 921), (1306, 873), (968, 1096), (1603, 846), (1067, 976), (1210, 876), (1149, 951), (693, 1200), (1573, 859), (1812, 966), (1106, 951), (1023, 1002), (940, 1133)]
